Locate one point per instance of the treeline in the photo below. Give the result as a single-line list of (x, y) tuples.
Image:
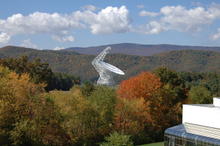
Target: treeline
[(40, 73), (135, 112)]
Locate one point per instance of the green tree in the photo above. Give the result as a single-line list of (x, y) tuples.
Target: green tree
[(116, 139), (103, 99), (87, 88), (212, 82), (173, 81), (200, 95), (40, 73), (62, 81), (81, 120)]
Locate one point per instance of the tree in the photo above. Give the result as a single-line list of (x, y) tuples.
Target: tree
[(26, 116), (165, 111), (132, 111), (131, 116), (212, 82), (172, 80), (40, 72), (116, 139), (168, 76), (81, 119), (103, 99), (62, 81), (200, 95), (87, 88), (141, 86)]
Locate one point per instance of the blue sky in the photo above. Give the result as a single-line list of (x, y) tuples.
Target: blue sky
[(56, 24)]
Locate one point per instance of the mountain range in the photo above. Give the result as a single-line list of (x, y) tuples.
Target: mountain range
[(74, 62), (138, 49)]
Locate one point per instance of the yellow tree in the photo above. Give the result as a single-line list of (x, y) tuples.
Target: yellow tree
[(26, 116)]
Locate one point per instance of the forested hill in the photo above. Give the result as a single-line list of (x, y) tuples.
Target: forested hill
[(80, 65), (138, 49)]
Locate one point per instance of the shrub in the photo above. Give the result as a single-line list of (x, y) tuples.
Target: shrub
[(116, 139)]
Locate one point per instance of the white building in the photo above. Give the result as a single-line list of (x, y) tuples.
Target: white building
[(203, 119), (200, 126)]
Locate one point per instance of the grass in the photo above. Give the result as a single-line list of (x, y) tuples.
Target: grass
[(154, 144)]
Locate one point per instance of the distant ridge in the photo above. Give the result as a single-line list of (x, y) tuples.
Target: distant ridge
[(138, 49), (80, 64)]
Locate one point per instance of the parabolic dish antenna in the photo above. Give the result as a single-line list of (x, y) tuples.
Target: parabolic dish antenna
[(112, 68), (105, 70)]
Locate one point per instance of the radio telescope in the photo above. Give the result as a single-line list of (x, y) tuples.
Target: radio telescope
[(106, 71)]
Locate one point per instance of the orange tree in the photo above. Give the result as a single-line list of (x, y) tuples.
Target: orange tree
[(141, 86), (132, 114), (147, 106)]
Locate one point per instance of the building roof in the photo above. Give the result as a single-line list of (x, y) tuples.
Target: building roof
[(180, 131)]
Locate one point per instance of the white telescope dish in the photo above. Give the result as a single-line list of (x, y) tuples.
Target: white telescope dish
[(111, 68), (105, 70)]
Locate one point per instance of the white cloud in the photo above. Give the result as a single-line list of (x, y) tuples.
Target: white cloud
[(154, 28), (4, 37), (140, 6), (181, 19), (37, 23), (110, 20), (106, 21), (90, 7), (58, 48), (63, 38), (28, 44), (146, 13), (216, 36)]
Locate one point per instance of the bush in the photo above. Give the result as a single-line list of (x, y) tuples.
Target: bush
[(116, 139)]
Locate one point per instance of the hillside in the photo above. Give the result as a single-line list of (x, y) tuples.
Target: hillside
[(80, 65), (138, 49)]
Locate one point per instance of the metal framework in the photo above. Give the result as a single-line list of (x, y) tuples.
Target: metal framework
[(106, 71)]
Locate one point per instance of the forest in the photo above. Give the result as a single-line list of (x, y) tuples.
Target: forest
[(39, 107), (73, 63)]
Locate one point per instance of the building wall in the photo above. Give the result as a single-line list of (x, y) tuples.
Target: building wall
[(206, 115)]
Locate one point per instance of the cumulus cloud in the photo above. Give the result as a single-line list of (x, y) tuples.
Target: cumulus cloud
[(216, 36), (28, 44), (38, 23), (110, 20), (154, 28), (60, 26), (4, 37), (182, 19), (146, 13)]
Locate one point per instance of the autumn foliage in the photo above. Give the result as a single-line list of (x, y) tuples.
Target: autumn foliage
[(139, 110), (140, 86)]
